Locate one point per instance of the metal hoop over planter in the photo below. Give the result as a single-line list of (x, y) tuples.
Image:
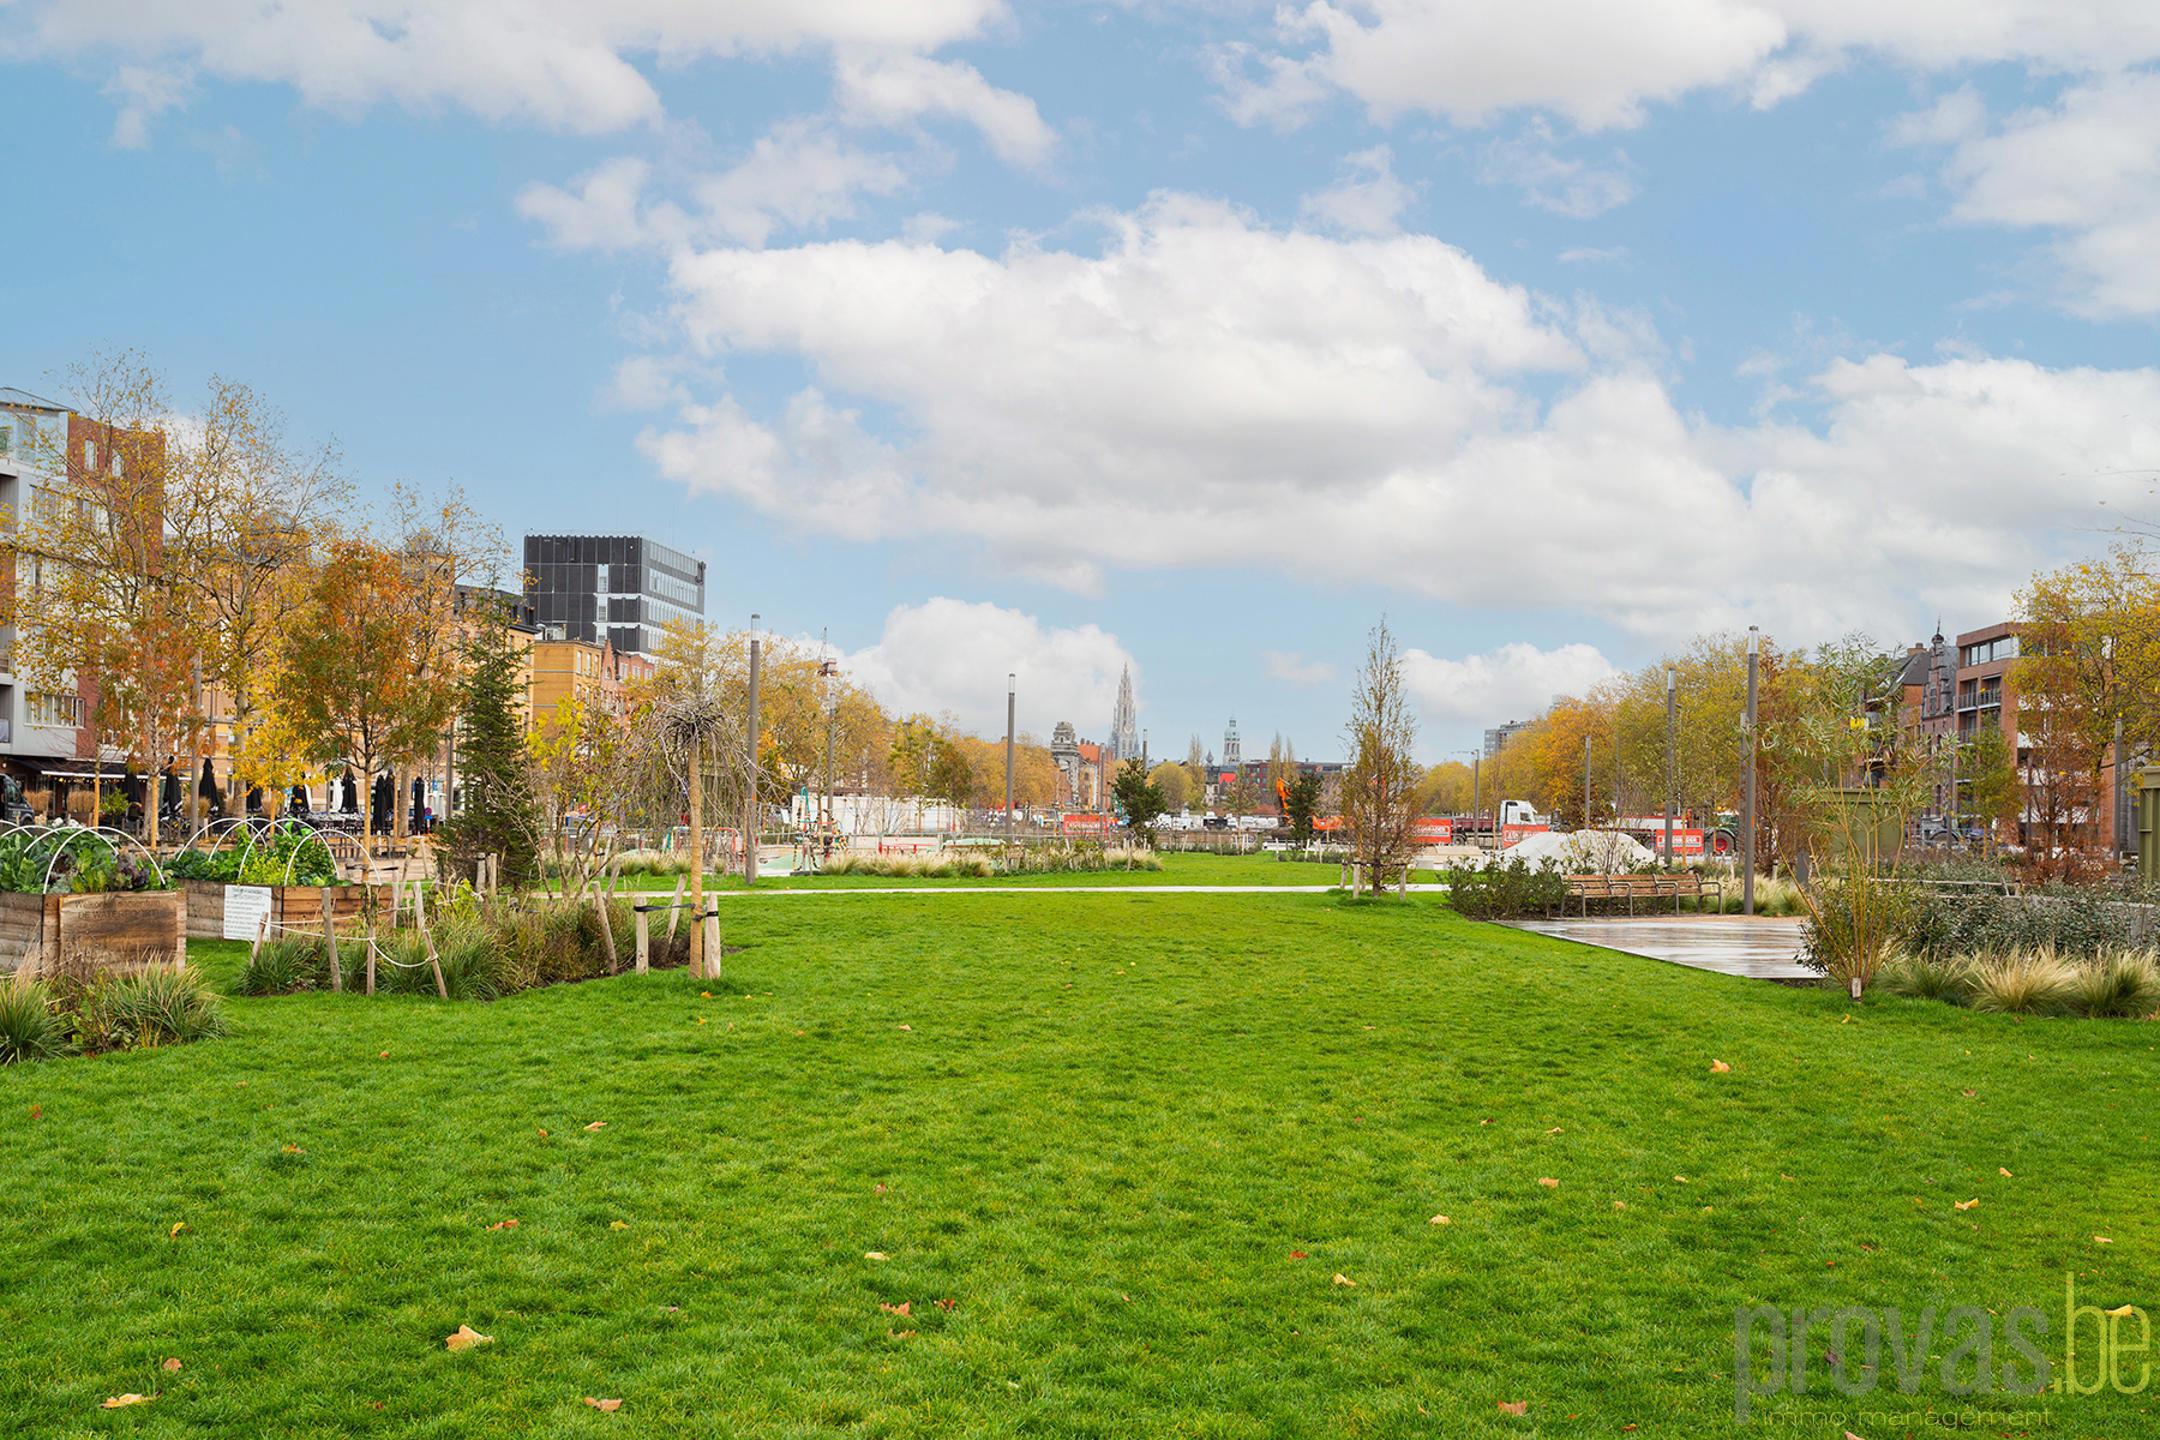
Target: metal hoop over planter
[(101, 834), (255, 828)]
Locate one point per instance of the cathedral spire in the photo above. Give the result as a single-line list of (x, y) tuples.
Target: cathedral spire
[(1124, 740)]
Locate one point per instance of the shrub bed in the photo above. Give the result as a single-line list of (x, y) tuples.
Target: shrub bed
[(977, 865), (2117, 984), (86, 1010), (486, 951)]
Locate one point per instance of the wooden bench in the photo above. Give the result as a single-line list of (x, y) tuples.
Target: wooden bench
[(1651, 889)]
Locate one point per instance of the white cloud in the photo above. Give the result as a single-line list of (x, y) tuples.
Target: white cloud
[(2086, 168), (953, 655), (1592, 255), (566, 66), (1600, 63), (890, 89), (1956, 116), (797, 176), (143, 93), (1374, 411), (1533, 164), (1367, 200), (1514, 682), (1292, 668)]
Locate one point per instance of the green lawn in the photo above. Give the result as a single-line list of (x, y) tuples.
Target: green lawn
[(1178, 868), (1102, 1128)]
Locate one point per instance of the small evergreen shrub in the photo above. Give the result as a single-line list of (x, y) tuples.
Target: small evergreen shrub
[(1508, 890)]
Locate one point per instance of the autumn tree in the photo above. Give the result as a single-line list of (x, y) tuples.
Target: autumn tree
[(1380, 786), (100, 595), (1169, 777), (355, 689)]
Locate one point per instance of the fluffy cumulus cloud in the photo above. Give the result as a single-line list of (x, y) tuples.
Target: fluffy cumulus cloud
[(1291, 668), (1203, 389), (952, 656), (893, 89), (1512, 682), (1601, 63), (564, 64), (2085, 169), (1367, 199), (799, 176)]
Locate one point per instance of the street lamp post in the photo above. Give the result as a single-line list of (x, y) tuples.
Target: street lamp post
[(750, 813), (1672, 768), (1586, 782), (1747, 777), (1011, 693)]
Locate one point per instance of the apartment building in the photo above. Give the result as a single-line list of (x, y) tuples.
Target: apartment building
[(619, 590)]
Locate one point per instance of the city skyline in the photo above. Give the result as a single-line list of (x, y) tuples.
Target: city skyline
[(1057, 341)]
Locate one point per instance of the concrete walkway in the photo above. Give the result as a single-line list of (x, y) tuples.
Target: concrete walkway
[(1759, 948)]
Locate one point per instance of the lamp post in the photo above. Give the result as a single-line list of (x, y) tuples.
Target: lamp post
[(1586, 781), (1011, 693), (750, 815), (1477, 758), (1672, 767), (1747, 777)]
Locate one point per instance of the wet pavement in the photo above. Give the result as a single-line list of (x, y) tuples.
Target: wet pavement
[(1758, 948)]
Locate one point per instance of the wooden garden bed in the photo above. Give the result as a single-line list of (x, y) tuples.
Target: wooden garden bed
[(131, 928), (299, 907)]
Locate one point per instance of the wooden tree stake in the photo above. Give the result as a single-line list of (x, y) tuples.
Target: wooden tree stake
[(644, 940), (329, 935)]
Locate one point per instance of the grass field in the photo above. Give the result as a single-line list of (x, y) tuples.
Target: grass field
[(1106, 1130)]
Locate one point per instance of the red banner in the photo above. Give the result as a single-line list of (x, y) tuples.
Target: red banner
[(1087, 823), (1512, 834), (1433, 831)]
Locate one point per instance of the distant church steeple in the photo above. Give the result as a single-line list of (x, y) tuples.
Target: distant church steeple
[(1232, 751), (1124, 739)]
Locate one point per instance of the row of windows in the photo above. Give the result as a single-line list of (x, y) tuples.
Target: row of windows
[(1987, 651), (53, 707)]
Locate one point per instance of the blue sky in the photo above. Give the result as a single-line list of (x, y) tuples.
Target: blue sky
[(1007, 336)]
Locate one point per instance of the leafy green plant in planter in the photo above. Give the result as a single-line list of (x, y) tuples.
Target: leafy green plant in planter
[(291, 855)]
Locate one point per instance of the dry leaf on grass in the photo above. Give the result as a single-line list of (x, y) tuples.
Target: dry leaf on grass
[(171, 1365), (174, 1233), (1297, 1255), (1556, 1130), (618, 1224), (465, 1337), (2102, 1240), (909, 1028), (1513, 1407), (1345, 1281), (903, 1308), (1619, 1204), (875, 1255), (37, 1112), (1965, 1204), (118, 1402), (2121, 1312), (294, 1150), (610, 1406), (1440, 1220), (1719, 1067), (504, 1225), (2002, 1172), (597, 1125), (1548, 1182), (543, 1133), (948, 1304)]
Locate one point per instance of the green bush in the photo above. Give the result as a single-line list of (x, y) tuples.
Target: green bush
[(146, 1010), (291, 854), (1920, 978), (2123, 984), (31, 1027), (1507, 890), (291, 963)]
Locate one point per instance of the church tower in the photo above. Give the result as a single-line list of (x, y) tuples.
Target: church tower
[(1232, 752), (1124, 742)]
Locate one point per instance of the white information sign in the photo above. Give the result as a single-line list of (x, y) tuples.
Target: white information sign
[(246, 907)]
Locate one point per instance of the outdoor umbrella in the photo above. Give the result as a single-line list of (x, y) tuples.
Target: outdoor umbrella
[(170, 793), (352, 794), (207, 787)]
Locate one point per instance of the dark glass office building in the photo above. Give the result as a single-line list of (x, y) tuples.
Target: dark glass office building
[(623, 588)]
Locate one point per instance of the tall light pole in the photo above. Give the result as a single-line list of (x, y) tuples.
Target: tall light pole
[(1747, 777), (1586, 780), (1477, 758), (1672, 767), (750, 814), (1012, 682)]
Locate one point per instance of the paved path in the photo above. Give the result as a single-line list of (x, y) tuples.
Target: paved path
[(1041, 890), (1759, 948)]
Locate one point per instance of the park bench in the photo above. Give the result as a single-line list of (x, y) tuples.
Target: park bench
[(1651, 889)]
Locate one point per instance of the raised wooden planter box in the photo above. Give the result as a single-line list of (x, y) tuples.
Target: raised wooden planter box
[(131, 928), (297, 907)]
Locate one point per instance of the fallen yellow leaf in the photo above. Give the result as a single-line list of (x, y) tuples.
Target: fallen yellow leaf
[(2002, 1172), (610, 1406), (2102, 1240), (2122, 1311), (909, 1028), (1548, 1182), (618, 1224), (174, 1233), (1440, 1220), (597, 1125), (1513, 1407), (116, 1402), (171, 1365), (1719, 1067), (465, 1338), (1965, 1204), (1345, 1281), (1619, 1204), (875, 1255)]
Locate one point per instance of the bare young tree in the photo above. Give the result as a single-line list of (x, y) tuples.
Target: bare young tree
[(1379, 791)]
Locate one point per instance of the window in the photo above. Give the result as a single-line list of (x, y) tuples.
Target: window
[(7, 439), (49, 707)]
